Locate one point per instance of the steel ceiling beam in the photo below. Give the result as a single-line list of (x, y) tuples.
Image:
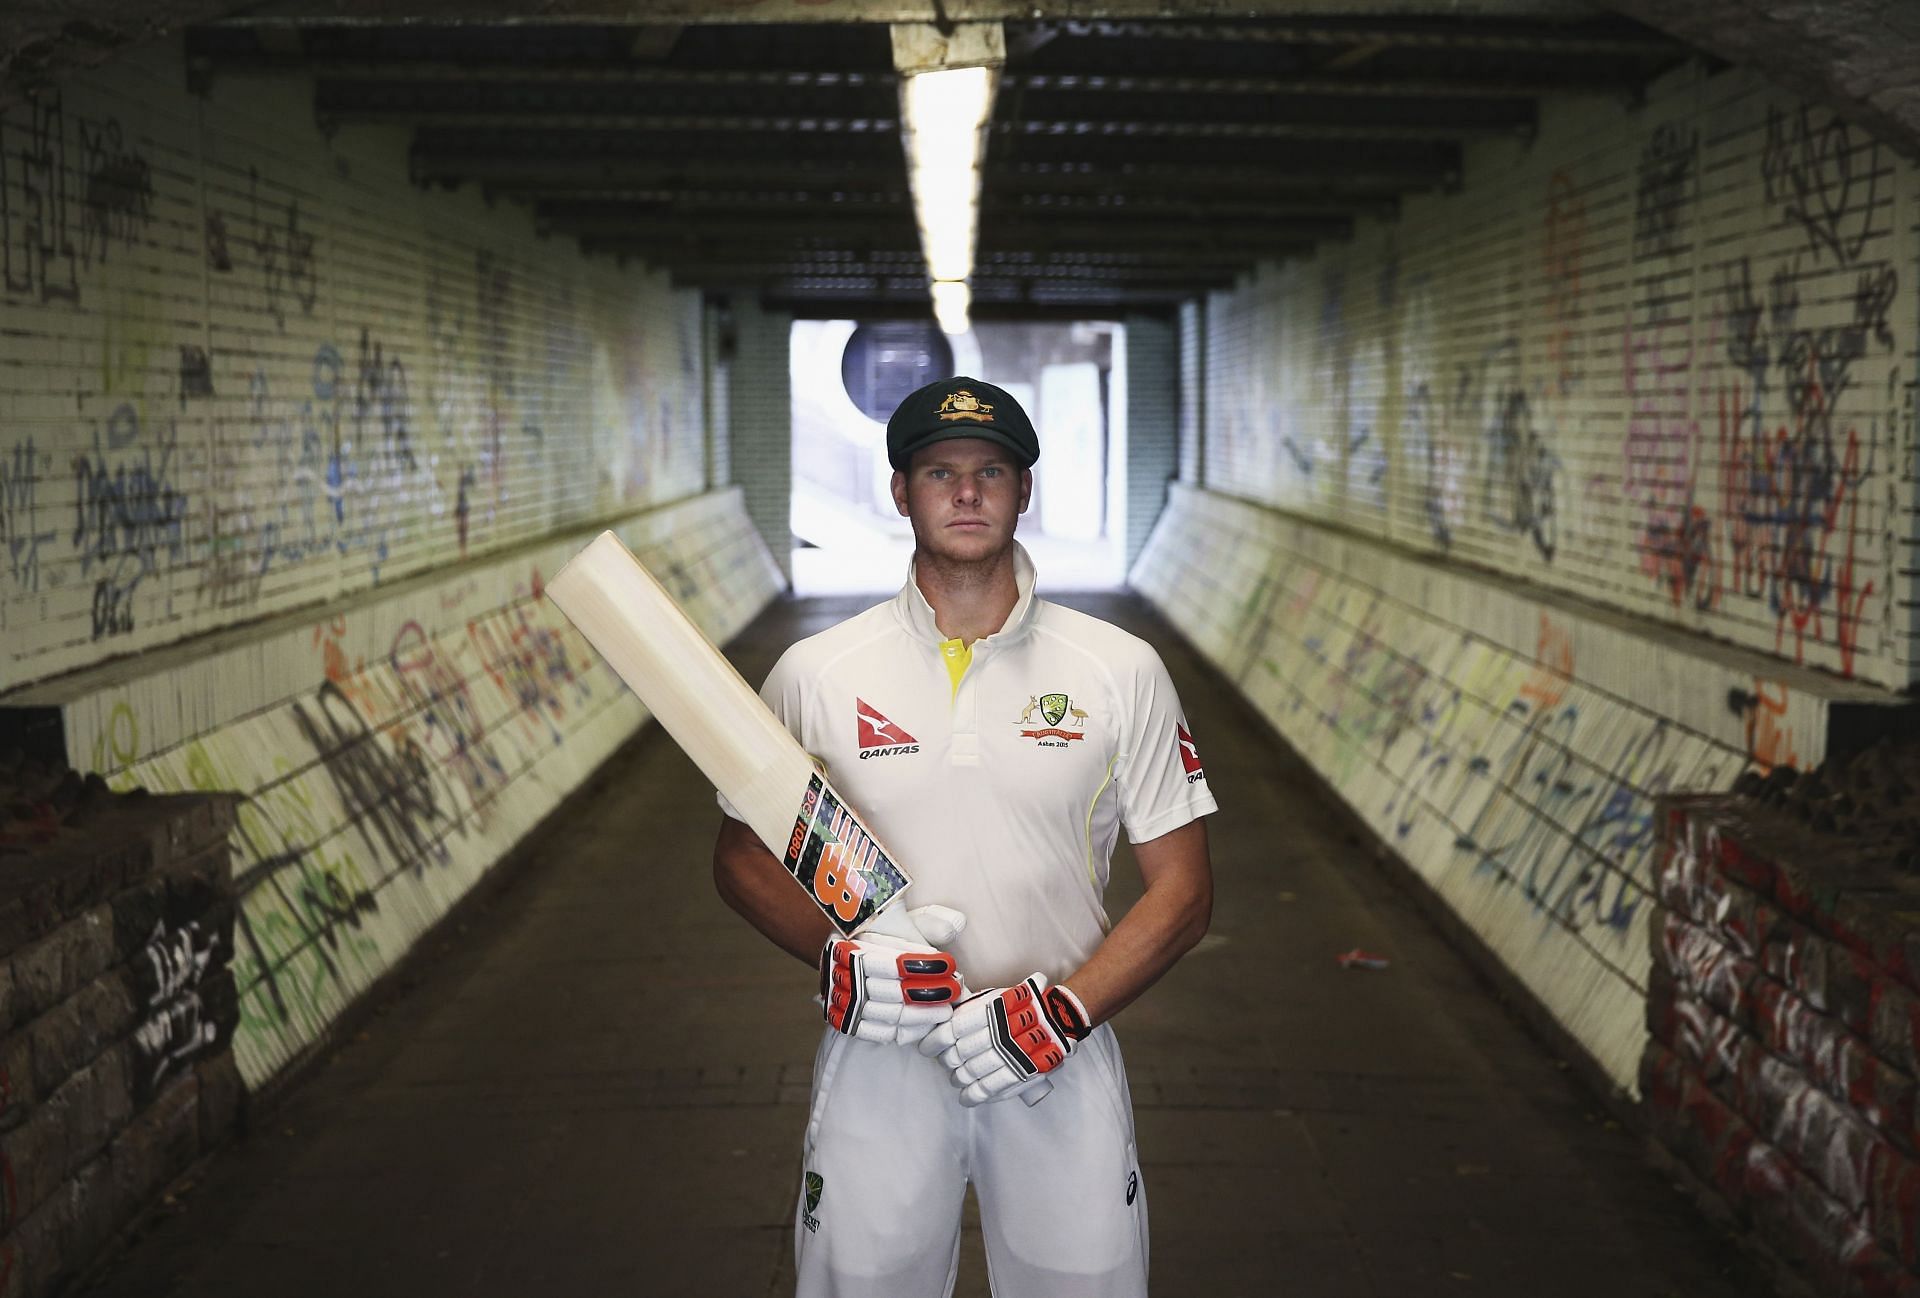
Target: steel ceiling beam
[(1311, 83), (678, 149), (1038, 235), (1402, 163), (1081, 114), (907, 256), (850, 232), (486, 118), (768, 268), (692, 200), (760, 205), (904, 308), (563, 97), (828, 217), (414, 72), (376, 13), (582, 176), (1438, 33), (534, 171), (1150, 128), (617, 75), (1394, 118), (861, 287), (902, 260), (724, 277), (1300, 176), (1121, 206)]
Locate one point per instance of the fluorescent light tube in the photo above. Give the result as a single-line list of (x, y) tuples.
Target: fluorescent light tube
[(951, 299)]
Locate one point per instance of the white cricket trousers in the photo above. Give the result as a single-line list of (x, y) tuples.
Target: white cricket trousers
[(889, 1152)]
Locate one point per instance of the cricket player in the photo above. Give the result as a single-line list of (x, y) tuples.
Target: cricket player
[(997, 743)]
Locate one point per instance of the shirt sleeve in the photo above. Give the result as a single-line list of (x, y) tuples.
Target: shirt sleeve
[(781, 693), (1161, 780)]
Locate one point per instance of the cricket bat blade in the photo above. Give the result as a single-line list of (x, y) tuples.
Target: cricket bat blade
[(736, 741)]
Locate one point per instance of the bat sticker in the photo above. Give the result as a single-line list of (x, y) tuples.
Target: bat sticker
[(833, 858)]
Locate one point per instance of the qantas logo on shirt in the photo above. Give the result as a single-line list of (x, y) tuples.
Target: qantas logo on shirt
[(1189, 754), (880, 737)]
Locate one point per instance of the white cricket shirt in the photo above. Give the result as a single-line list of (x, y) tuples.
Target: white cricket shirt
[(1001, 795)]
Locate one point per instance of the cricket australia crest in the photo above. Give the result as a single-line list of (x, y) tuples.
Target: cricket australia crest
[(964, 405), (1053, 710), (816, 1184)]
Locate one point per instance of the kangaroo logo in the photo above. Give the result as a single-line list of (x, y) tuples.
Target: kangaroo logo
[(1054, 709)]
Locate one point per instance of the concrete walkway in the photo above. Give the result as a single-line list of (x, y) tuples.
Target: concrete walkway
[(598, 1087)]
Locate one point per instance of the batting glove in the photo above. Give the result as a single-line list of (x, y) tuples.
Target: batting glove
[(1000, 1039), (889, 990)]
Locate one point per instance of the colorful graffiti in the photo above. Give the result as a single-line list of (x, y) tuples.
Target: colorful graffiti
[(1521, 790)]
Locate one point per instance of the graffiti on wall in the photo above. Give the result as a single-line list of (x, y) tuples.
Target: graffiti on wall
[(1663, 188), (274, 251), (177, 1026), (1436, 470), (1524, 793), (396, 774), (116, 200), (25, 524), (1793, 460), (1518, 471), (346, 473), (1748, 292), (1661, 451), (392, 793), (283, 253), (1661, 463), (1823, 176), (71, 190), (129, 515), (1563, 258), (456, 735), (1763, 719)]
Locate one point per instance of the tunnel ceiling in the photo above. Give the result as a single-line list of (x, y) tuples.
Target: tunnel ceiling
[(1130, 164), (1392, 87)]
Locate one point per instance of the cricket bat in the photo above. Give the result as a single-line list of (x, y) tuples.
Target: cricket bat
[(736, 741)]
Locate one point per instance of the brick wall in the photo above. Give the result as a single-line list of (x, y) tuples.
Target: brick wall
[(760, 424), (1784, 1019), (1661, 359), (117, 1010)]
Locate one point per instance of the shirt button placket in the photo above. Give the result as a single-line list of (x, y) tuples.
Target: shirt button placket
[(966, 733)]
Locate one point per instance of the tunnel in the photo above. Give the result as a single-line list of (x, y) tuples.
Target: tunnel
[(1487, 416)]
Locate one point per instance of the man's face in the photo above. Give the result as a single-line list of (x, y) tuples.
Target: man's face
[(963, 497)]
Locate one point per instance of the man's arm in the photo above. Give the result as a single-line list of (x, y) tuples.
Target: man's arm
[(878, 987), (999, 1040), (752, 881), (1163, 925)]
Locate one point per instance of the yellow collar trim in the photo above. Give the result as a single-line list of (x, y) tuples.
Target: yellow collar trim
[(958, 656)]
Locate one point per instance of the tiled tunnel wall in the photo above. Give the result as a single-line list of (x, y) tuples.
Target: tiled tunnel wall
[(286, 448), (1591, 481), (1661, 359)]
